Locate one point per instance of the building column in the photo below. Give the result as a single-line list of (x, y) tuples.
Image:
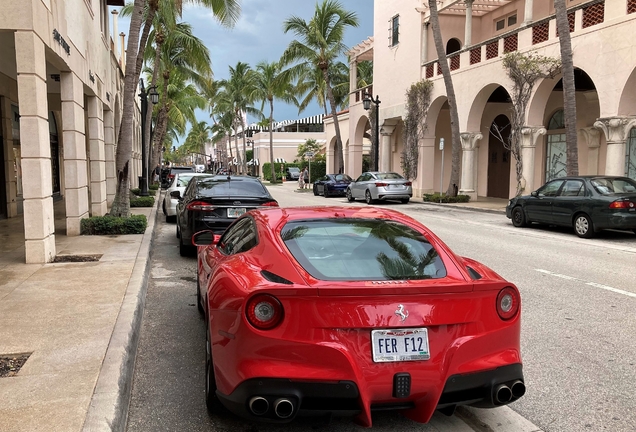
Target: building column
[(353, 75), (529, 137), (616, 130), (424, 54), (470, 142), (592, 136), (75, 174), (11, 184), (468, 29), (527, 14), (97, 156), (109, 150), (386, 130), (354, 165), (39, 221), (426, 166)]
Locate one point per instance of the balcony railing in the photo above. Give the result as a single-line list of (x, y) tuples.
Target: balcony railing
[(593, 13), (356, 96)]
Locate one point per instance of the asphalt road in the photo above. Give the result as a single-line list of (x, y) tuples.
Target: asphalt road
[(578, 346)]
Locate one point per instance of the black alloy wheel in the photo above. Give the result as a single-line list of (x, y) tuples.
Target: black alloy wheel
[(316, 190), (405, 200), (211, 401), (325, 191), (367, 197), (199, 298), (518, 217), (583, 226), (350, 197)]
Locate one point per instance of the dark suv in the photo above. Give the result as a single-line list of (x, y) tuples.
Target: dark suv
[(173, 171), (292, 173)]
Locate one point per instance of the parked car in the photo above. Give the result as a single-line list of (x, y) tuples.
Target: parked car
[(179, 183), (372, 186), (163, 177), (177, 169), (586, 203), (214, 202), (327, 310), (292, 173), (332, 184)]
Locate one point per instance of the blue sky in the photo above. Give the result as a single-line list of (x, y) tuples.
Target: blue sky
[(258, 36)]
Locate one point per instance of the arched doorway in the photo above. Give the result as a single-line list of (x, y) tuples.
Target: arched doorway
[(55, 155), (453, 45), (499, 158), (556, 147)]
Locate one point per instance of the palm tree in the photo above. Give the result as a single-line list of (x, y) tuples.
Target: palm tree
[(319, 46), (450, 95), (222, 128), (121, 202), (237, 96), (197, 137), (273, 83), (569, 88)]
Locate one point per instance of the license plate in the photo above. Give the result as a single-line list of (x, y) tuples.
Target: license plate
[(400, 345), (235, 212)]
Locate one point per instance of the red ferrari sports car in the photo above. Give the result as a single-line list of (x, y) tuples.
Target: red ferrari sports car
[(344, 311)]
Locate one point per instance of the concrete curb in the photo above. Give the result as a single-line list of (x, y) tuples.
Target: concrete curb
[(108, 410), (460, 207)]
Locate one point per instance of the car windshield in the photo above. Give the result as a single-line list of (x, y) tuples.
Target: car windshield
[(388, 176), (234, 188), (183, 180), (362, 249), (609, 186)]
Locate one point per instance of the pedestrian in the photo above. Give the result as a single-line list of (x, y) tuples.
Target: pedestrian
[(301, 181), (305, 176), (157, 173)]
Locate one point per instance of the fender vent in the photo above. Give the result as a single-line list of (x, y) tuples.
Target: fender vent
[(473, 273), (275, 278)]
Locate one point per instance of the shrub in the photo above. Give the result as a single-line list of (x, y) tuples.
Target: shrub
[(153, 187), (110, 225), (142, 201), (436, 197), (137, 191), (318, 169)]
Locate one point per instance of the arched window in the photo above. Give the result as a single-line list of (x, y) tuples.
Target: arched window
[(556, 148), (453, 45), (630, 159)]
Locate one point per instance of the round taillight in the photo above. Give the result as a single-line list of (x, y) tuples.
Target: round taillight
[(264, 311), (508, 301)]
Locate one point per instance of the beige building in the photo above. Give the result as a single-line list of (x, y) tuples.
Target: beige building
[(61, 79), (476, 36)]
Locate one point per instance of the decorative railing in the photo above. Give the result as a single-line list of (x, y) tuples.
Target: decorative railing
[(454, 62), (492, 50), (593, 14), (511, 43), (475, 55), (358, 94), (631, 6)]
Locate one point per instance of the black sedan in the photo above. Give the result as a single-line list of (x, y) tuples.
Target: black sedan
[(213, 203), (586, 203), (332, 185)]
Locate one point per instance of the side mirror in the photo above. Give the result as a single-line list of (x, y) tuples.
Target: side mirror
[(534, 194), (205, 238), (175, 194)]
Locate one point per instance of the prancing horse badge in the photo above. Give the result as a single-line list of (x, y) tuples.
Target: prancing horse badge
[(402, 313)]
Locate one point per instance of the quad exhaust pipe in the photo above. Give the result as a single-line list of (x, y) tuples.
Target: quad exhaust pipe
[(503, 394), (518, 389), (283, 408), (258, 405)]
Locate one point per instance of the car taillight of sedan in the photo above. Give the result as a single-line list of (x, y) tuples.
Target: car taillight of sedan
[(200, 206), (622, 204), (270, 204), (381, 184)]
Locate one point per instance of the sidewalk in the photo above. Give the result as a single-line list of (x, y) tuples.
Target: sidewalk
[(78, 321)]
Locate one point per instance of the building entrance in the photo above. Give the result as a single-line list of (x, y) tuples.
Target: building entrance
[(499, 158)]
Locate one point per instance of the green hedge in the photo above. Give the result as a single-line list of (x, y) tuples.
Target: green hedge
[(435, 197), (318, 169), (110, 225), (142, 201), (153, 186), (137, 191)]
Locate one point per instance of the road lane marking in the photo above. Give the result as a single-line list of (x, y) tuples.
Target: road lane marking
[(592, 284)]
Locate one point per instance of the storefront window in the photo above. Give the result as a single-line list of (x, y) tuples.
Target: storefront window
[(630, 159), (556, 150)]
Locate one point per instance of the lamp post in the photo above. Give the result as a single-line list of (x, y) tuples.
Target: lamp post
[(154, 98), (367, 106)]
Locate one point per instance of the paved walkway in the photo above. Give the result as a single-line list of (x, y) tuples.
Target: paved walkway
[(79, 323)]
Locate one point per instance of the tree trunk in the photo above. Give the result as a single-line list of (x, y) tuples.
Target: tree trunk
[(452, 102), (271, 139), (244, 164), (152, 10), (155, 148), (121, 202), (569, 89), (239, 163), (338, 153)]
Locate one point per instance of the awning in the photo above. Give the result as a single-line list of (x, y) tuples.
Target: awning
[(253, 162), (280, 160)]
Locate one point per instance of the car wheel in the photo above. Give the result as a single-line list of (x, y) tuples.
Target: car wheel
[(350, 197), (315, 191), (583, 226), (185, 250), (171, 218), (199, 298), (211, 401), (163, 207), (634, 231), (325, 192), (518, 217), (178, 230), (405, 200), (367, 197)]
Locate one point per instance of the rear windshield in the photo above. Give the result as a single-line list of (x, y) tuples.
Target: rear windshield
[(340, 177), (183, 180), (362, 249), (234, 188), (293, 170), (609, 186), (181, 169), (388, 176)]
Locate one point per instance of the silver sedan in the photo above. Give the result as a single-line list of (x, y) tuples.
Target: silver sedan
[(372, 186), (179, 183)]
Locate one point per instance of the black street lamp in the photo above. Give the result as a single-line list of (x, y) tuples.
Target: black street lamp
[(154, 98), (366, 102)]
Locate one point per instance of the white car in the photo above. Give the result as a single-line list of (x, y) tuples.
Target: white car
[(380, 186), (179, 183)]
